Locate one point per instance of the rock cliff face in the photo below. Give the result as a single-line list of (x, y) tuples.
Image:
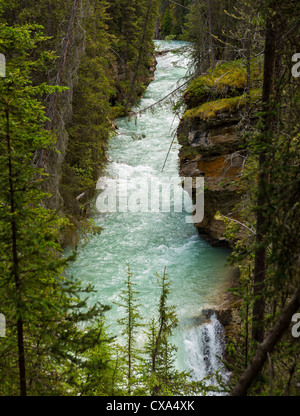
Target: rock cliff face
[(212, 149), (212, 143)]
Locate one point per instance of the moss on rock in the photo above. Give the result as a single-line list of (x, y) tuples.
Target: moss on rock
[(212, 109), (226, 80)]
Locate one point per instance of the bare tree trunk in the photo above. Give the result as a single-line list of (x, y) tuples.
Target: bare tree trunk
[(157, 29), (267, 346), (271, 373), (248, 60), (211, 42), (247, 325), (227, 53), (261, 220), (49, 18)]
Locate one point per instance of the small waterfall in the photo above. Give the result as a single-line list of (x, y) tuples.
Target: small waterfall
[(204, 345)]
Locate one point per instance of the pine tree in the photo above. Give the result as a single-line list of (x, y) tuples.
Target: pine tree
[(160, 373), (43, 309), (133, 25), (268, 254), (210, 29), (131, 326), (88, 136), (146, 32)]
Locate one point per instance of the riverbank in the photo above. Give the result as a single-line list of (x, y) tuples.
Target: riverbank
[(211, 135)]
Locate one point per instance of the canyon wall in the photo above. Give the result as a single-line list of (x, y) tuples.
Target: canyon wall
[(212, 143)]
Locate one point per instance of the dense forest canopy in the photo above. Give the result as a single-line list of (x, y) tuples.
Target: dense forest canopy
[(72, 67)]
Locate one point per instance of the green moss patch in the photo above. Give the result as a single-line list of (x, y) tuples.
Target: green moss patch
[(226, 80), (212, 109)]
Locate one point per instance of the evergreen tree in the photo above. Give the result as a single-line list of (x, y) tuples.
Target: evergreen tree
[(133, 25), (210, 25), (42, 308), (131, 324), (160, 373), (166, 24), (88, 136), (267, 255)]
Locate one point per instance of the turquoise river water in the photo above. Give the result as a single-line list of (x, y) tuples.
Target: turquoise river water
[(151, 241)]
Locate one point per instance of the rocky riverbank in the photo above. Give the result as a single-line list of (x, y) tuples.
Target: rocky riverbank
[(212, 144), (226, 307)]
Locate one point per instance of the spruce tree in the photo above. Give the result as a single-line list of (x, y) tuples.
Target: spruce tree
[(88, 136), (131, 327), (160, 373), (44, 347)]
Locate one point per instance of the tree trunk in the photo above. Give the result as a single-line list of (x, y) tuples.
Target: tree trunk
[(49, 18), (248, 61), (211, 41), (267, 346), (15, 258), (261, 221), (62, 64)]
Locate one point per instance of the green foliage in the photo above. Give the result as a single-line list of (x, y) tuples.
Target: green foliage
[(161, 351), (145, 354), (205, 26), (212, 109), (281, 231), (132, 24), (279, 376), (42, 308), (226, 80), (172, 18), (131, 324), (167, 24), (88, 136)]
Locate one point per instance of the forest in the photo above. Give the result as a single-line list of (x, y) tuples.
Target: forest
[(69, 72)]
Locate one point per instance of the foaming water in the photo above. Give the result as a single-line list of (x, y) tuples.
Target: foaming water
[(204, 345), (149, 241)]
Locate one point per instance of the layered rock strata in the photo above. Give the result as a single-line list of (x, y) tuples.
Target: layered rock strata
[(213, 149), (212, 141)]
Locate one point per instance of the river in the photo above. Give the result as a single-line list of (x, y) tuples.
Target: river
[(151, 241)]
